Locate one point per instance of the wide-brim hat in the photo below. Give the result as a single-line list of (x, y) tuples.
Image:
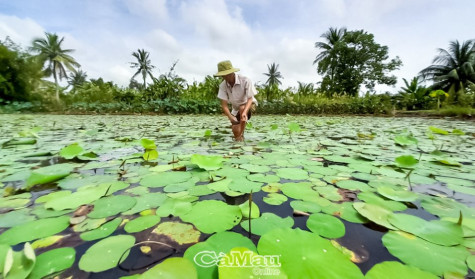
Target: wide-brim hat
[(225, 68)]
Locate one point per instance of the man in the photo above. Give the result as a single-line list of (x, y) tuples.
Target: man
[(239, 91)]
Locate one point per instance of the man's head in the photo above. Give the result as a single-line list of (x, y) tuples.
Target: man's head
[(225, 68)]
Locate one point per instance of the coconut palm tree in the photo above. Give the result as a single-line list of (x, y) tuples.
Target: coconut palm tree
[(77, 79), (143, 65), (273, 80), (327, 58), (453, 69), (50, 51), (413, 95)]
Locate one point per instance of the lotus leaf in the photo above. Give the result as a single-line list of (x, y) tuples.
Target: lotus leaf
[(49, 174), (207, 162), (172, 268), (397, 195), (274, 199), (106, 253), (103, 231), (112, 205), (213, 216), (326, 225), (375, 213), (34, 230), (164, 179), (396, 270), (267, 222), (141, 223), (53, 261), (179, 232), (291, 173)]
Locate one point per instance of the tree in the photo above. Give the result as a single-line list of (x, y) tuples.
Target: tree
[(57, 59), (273, 80), (413, 95), (20, 74), (76, 79), (143, 64), (350, 59), (453, 69)]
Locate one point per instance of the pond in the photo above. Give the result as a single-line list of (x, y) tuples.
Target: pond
[(301, 197)]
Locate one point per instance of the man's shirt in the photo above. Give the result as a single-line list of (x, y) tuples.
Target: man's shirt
[(238, 94)]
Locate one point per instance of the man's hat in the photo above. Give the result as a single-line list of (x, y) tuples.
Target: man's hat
[(225, 68)]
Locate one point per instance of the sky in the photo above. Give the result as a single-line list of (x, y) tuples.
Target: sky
[(251, 33)]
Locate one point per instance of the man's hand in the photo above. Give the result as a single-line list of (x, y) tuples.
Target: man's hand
[(233, 120), (244, 117)]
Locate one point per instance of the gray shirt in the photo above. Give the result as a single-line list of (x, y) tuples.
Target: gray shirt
[(238, 94)]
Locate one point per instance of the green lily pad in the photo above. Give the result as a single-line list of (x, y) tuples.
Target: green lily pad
[(71, 151), (244, 185), (34, 230), (239, 265), (147, 201), (259, 177), (165, 178), (47, 241), (306, 255), (405, 140), (207, 162), (274, 199), (425, 255), (174, 207), (103, 231), (444, 207), (439, 232), (52, 196), (300, 191), (326, 225), (112, 205), (106, 253), (372, 198), (255, 168), (255, 212), (73, 182), (49, 174), (406, 161), (291, 173), (148, 143), (89, 224), (375, 213), (150, 155), (15, 218), (22, 263), (141, 223), (179, 232), (397, 195), (330, 193), (53, 261), (211, 216), (267, 222), (305, 206), (221, 242), (172, 268), (396, 270), (354, 185)]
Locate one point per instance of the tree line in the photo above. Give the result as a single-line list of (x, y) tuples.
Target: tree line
[(349, 62)]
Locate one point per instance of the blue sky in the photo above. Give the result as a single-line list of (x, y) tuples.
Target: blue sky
[(251, 33)]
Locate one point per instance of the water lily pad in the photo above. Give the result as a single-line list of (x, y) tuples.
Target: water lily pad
[(53, 261), (439, 232), (174, 207), (106, 253), (213, 216), (326, 225), (305, 206), (259, 177), (397, 195), (141, 223), (89, 224), (255, 212), (71, 151), (52, 196), (165, 178), (244, 185), (274, 199), (47, 241), (172, 268), (15, 218), (112, 205), (396, 270), (354, 185), (267, 222), (103, 231), (49, 174), (207, 162), (34, 230), (372, 198), (405, 140), (20, 264), (425, 255), (271, 188), (300, 191), (406, 161), (147, 201), (306, 255), (255, 168), (375, 213), (179, 232), (291, 173)]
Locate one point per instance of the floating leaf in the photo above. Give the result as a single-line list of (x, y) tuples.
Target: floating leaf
[(274, 199), (305, 206), (218, 243), (375, 213), (22, 264), (53, 261), (405, 140), (255, 213), (406, 161), (49, 174), (103, 231), (34, 230), (396, 270), (397, 195), (438, 130), (165, 178), (425, 255), (45, 242), (141, 223), (354, 185), (148, 144), (326, 225), (291, 173), (112, 205), (207, 162), (179, 232), (267, 222), (150, 155), (106, 253), (213, 216), (172, 268), (71, 151), (306, 255)]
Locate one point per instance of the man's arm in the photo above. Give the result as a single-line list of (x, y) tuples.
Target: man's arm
[(246, 109), (225, 108)]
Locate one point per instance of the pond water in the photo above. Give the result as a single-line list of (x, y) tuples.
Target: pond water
[(350, 195)]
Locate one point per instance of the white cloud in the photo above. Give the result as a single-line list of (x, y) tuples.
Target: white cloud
[(153, 10), (20, 30)]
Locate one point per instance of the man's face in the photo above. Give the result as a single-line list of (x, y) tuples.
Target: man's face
[(229, 78)]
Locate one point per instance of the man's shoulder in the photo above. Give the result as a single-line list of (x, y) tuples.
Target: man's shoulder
[(243, 79)]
